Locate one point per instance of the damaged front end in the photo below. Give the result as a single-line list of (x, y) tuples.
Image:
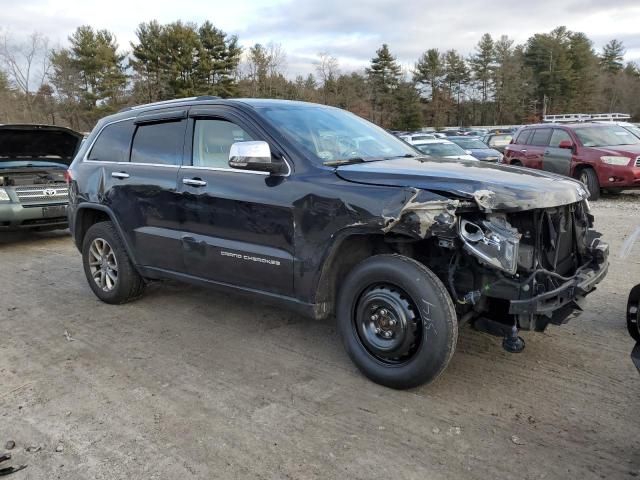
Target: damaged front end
[(503, 267)]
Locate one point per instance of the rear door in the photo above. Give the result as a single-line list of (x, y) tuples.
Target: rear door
[(556, 159), (537, 143), (132, 167), (236, 225)]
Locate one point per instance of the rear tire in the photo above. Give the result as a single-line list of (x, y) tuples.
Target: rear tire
[(589, 177), (516, 163), (107, 266), (397, 321)]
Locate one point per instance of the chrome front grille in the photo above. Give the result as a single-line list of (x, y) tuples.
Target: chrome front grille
[(50, 193), (637, 161)]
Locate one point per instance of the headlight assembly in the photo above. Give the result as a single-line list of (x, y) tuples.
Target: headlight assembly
[(613, 160), (4, 196), (494, 242)]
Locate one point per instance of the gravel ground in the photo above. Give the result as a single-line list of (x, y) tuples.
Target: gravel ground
[(189, 383)]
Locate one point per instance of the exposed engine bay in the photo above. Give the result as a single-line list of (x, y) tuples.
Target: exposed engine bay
[(527, 268), (32, 177)]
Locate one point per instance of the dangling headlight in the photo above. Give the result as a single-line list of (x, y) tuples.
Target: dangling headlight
[(494, 242)]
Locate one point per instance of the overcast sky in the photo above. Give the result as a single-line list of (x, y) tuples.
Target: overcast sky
[(351, 30)]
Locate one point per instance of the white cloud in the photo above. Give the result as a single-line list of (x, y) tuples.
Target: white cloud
[(351, 30)]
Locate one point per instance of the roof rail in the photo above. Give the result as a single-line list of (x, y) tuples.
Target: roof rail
[(169, 102), (585, 117)]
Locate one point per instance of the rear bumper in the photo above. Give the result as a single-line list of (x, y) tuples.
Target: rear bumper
[(565, 301), (15, 216)]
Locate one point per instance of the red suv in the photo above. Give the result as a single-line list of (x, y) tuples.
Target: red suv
[(600, 156)]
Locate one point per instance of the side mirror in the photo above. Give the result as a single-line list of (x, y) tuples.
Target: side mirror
[(566, 144), (253, 156)]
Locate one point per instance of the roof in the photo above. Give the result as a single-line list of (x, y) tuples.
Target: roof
[(209, 99)]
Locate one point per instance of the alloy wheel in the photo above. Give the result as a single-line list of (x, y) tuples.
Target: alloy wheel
[(103, 264)]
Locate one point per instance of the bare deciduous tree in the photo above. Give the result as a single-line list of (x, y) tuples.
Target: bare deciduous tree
[(328, 72), (26, 62)]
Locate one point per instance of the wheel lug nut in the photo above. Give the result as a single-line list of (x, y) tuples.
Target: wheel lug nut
[(374, 317), (387, 334), (377, 330), (383, 312), (392, 322)]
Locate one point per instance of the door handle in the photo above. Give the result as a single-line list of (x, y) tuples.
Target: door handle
[(524, 150), (120, 175), (194, 182)]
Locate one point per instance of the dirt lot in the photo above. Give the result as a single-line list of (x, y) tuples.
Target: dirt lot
[(187, 383)]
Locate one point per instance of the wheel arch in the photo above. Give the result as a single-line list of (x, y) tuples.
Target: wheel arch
[(345, 253), (88, 214)]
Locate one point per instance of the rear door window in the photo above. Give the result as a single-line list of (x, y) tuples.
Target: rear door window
[(540, 137), (112, 144), (159, 143), (558, 136), (523, 137)]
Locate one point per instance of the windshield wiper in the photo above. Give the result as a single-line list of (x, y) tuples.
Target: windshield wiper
[(349, 161), (344, 161)]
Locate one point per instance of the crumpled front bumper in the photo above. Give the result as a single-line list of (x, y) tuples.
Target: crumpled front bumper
[(560, 303)]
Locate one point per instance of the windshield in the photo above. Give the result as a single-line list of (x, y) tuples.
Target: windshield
[(441, 149), (331, 134), (633, 129), (500, 140), (417, 138), (469, 143), (605, 136)]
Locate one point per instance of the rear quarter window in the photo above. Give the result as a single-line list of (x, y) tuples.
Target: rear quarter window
[(113, 142), (523, 137)]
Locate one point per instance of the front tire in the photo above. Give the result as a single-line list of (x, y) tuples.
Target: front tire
[(397, 321), (589, 177), (107, 266)]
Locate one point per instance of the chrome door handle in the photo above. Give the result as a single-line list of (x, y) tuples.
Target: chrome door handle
[(119, 175), (524, 150), (194, 182)]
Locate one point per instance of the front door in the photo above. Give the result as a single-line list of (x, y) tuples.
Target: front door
[(556, 159), (236, 225)]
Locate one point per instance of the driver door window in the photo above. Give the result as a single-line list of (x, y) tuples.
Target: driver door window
[(212, 140)]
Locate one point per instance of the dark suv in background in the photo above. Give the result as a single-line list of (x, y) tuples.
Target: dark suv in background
[(317, 209), (600, 156)]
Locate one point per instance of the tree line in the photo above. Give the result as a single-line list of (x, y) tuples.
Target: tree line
[(499, 83)]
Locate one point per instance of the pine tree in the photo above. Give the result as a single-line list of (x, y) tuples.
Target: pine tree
[(218, 58), (611, 59), (91, 71), (384, 77)]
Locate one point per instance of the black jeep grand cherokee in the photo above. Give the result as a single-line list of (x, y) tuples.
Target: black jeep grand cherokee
[(320, 210)]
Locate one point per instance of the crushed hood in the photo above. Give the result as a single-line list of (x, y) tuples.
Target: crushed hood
[(38, 142), (493, 187)]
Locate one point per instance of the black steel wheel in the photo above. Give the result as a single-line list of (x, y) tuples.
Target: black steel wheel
[(388, 323), (397, 321)]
